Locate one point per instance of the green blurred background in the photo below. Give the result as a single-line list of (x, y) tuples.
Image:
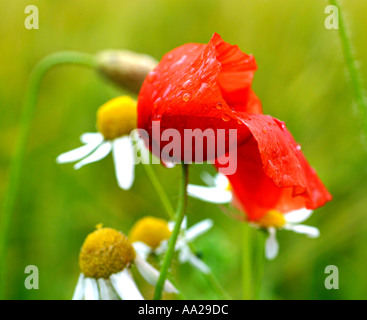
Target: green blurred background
[(301, 79)]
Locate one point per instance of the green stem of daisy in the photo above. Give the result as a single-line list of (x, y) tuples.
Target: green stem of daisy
[(352, 67), (179, 216), (246, 262), (25, 126), (158, 187), (259, 262)]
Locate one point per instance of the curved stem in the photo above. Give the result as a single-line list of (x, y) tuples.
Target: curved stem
[(25, 125), (352, 67), (180, 214)]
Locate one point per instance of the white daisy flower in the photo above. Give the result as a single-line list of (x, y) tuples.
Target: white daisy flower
[(150, 235), (115, 121), (219, 191), (275, 220), (105, 260)]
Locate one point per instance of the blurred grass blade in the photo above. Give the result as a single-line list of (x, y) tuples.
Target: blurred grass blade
[(351, 63)]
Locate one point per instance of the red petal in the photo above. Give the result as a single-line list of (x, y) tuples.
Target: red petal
[(272, 172), (199, 87)]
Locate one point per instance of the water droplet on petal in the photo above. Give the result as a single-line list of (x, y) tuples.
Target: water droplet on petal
[(298, 147), (186, 97), (170, 57), (219, 106), (264, 130), (151, 77), (225, 118)]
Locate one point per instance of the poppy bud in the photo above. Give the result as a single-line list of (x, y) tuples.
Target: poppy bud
[(126, 68)]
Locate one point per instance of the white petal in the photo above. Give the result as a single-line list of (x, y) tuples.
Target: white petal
[(168, 164), (125, 286), (142, 249), (198, 229), (184, 253), (79, 289), (91, 289), (221, 181), (171, 224), (312, 232), (298, 216), (209, 194), (271, 245), (106, 290), (198, 263), (163, 247), (140, 145), (151, 275), (91, 137), (208, 179), (124, 158), (184, 223), (101, 152), (81, 152)]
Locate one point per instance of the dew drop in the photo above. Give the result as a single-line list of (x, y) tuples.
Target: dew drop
[(186, 97), (264, 130), (170, 57), (225, 118), (298, 147), (151, 77), (219, 106)]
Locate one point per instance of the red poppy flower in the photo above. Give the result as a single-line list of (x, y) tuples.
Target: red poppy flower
[(200, 86), (272, 172)]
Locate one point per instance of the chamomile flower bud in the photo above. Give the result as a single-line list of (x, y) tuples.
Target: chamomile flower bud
[(126, 68), (151, 231), (105, 260), (150, 235)]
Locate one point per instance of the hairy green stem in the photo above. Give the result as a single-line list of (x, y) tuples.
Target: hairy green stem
[(179, 216), (24, 129), (351, 63)]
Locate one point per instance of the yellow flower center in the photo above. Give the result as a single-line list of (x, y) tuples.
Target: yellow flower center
[(273, 218), (117, 117), (104, 252), (228, 187), (150, 230)]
